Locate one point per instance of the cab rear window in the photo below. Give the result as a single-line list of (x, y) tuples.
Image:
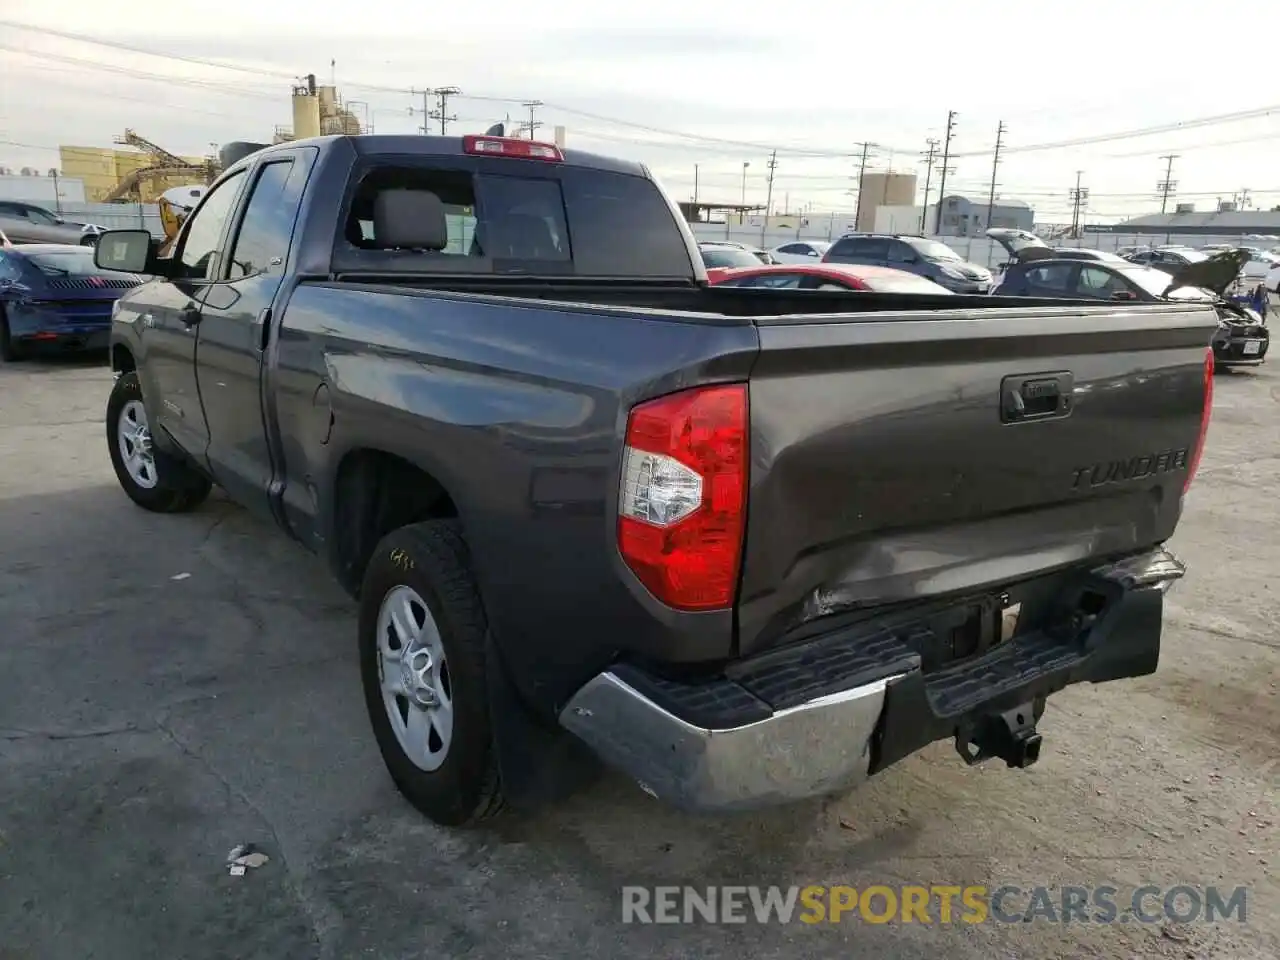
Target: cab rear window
[(563, 220)]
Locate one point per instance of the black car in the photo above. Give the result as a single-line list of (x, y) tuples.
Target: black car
[(1242, 337)]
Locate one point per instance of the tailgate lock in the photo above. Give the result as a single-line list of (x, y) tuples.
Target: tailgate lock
[(1036, 396)]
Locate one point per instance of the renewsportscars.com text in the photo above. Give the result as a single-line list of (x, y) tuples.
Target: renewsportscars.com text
[(932, 904)]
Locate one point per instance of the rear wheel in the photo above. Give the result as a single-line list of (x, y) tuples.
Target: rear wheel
[(422, 665), (9, 351), (152, 479)]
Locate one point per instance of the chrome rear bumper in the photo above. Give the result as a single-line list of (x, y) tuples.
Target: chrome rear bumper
[(816, 748)]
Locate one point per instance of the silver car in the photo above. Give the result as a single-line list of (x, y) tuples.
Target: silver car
[(24, 222)]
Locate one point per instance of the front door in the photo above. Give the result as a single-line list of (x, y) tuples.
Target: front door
[(167, 312), (235, 326)]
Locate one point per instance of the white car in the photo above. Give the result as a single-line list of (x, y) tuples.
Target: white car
[(1273, 279), (800, 251)]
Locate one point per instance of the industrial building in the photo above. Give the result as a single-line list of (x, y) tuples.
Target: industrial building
[(962, 217), (1227, 220), (317, 111), (883, 189), (139, 170), (145, 172)]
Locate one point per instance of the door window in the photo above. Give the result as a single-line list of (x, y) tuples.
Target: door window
[(1096, 282), (199, 253), (262, 243), (900, 252), (9, 269), (36, 215), (828, 285), (1050, 280), (797, 248)]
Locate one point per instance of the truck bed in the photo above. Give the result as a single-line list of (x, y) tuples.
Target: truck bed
[(881, 471)]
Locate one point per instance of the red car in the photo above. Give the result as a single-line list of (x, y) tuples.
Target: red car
[(824, 276)]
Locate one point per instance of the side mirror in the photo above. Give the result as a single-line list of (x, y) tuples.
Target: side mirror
[(1124, 295), (128, 251)]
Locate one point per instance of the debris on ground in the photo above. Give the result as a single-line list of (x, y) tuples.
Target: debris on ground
[(245, 857), (180, 576)]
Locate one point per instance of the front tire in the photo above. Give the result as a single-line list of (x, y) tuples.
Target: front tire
[(151, 478), (422, 666)]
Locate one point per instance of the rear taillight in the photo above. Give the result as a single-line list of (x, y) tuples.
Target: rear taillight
[(1205, 414), (512, 147), (683, 496)]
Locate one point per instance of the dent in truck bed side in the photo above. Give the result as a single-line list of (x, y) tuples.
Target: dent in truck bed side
[(518, 410)]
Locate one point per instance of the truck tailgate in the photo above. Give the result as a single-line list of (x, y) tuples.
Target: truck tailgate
[(892, 461)]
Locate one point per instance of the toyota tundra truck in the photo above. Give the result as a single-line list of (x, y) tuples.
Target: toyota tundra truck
[(743, 545)]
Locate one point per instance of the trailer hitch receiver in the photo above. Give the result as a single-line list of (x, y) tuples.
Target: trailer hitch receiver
[(1011, 736)]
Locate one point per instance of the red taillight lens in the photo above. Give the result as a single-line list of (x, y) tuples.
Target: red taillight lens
[(512, 147), (683, 497), (1205, 414)]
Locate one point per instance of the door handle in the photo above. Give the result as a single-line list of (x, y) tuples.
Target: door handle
[(1036, 396)]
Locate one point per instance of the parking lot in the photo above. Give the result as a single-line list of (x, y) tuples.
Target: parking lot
[(171, 687)]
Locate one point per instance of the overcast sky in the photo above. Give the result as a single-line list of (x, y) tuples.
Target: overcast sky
[(819, 77)]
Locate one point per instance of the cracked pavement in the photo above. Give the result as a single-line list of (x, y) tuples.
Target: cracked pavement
[(148, 725)]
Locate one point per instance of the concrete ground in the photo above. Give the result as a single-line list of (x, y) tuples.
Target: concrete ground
[(173, 686)]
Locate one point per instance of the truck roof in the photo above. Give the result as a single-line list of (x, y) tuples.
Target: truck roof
[(369, 144)]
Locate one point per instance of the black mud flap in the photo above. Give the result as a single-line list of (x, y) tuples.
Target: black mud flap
[(539, 762)]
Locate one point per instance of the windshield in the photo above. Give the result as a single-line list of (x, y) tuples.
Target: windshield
[(932, 250), (1156, 281), (728, 257), (68, 263)]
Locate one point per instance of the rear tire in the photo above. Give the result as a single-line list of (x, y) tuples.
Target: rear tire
[(422, 638), (151, 478), (10, 352)]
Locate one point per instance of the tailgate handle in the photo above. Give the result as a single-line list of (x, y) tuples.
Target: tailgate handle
[(1036, 396)]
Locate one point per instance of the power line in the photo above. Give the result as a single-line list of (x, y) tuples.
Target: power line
[(534, 123), (768, 201), (928, 175), (1167, 185), (1078, 196), (942, 183), (1174, 127), (441, 112), (995, 163), (862, 175)]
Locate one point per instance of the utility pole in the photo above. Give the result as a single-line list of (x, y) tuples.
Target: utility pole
[(695, 187), (928, 176), (946, 156), (441, 112), (1242, 198), (1078, 197), (534, 123), (1168, 184), (426, 108), (862, 172), (995, 163), (768, 201)]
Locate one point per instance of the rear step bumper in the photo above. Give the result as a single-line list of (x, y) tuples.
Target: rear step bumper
[(773, 729)]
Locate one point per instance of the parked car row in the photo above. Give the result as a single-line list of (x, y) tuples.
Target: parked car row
[(23, 222), (1161, 274)]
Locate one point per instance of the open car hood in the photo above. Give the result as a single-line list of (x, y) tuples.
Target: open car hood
[(1215, 274), (1021, 246)]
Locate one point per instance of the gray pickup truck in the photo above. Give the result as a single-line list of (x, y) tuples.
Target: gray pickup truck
[(744, 545)]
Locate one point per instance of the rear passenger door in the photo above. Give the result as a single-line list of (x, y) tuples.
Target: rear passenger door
[(235, 324)]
